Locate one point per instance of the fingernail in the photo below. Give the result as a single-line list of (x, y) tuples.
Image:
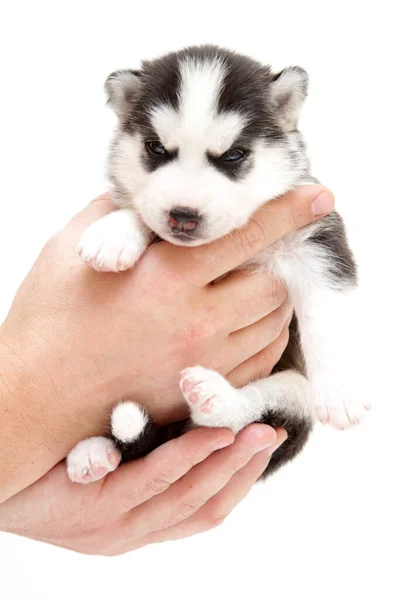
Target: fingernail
[(221, 444), (264, 446), (276, 446), (323, 204)]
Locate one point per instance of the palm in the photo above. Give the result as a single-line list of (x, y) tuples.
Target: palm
[(59, 507)]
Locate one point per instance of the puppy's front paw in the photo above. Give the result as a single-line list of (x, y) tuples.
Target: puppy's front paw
[(92, 459), (212, 400), (338, 405), (114, 243)]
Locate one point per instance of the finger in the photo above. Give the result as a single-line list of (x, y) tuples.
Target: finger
[(248, 342), (244, 298), (260, 365), (216, 510), (136, 482), (296, 209), (193, 490)]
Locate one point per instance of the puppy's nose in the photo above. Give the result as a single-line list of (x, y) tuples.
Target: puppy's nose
[(183, 220)]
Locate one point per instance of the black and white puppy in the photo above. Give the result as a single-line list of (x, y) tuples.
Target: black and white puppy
[(205, 137)]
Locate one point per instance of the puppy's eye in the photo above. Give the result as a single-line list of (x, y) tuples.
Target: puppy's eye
[(234, 155), (156, 147)]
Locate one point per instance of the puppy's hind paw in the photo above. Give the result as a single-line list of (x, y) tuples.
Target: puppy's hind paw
[(92, 459)]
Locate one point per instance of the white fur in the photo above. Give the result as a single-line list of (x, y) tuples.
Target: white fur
[(92, 459), (214, 402), (325, 320), (115, 242), (128, 420), (326, 316)]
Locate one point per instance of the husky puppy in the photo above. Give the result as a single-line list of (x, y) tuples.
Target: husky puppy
[(205, 137)]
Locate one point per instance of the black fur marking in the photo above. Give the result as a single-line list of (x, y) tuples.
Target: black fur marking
[(151, 438), (160, 85), (145, 443), (298, 429), (331, 235), (244, 89), (292, 358), (153, 162), (234, 171)]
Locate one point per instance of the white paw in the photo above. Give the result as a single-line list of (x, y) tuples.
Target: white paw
[(128, 421), (92, 459), (338, 406), (114, 243), (212, 400)]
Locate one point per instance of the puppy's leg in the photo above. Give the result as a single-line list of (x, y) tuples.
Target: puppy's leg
[(114, 242), (281, 400), (325, 322), (320, 274)]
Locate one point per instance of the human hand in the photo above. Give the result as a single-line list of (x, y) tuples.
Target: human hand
[(75, 341), (184, 487)]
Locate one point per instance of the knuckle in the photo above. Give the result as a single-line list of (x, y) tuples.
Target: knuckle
[(276, 325), (158, 484), (277, 292), (164, 476), (217, 519), (189, 508), (251, 239), (180, 513), (188, 454), (196, 333), (300, 214)]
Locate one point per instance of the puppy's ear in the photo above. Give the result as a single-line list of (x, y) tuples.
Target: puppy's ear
[(288, 91), (121, 88)]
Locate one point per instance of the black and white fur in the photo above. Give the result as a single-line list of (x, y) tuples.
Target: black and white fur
[(193, 106)]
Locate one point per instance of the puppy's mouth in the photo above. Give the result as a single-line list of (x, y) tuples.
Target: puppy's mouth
[(182, 235), (183, 239)]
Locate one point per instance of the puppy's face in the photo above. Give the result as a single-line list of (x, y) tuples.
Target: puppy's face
[(206, 137)]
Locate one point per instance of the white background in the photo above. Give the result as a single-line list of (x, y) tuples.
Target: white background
[(326, 526)]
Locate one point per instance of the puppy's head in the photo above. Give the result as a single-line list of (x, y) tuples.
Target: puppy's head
[(205, 137)]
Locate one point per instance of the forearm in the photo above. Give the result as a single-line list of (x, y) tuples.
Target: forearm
[(39, 418)]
